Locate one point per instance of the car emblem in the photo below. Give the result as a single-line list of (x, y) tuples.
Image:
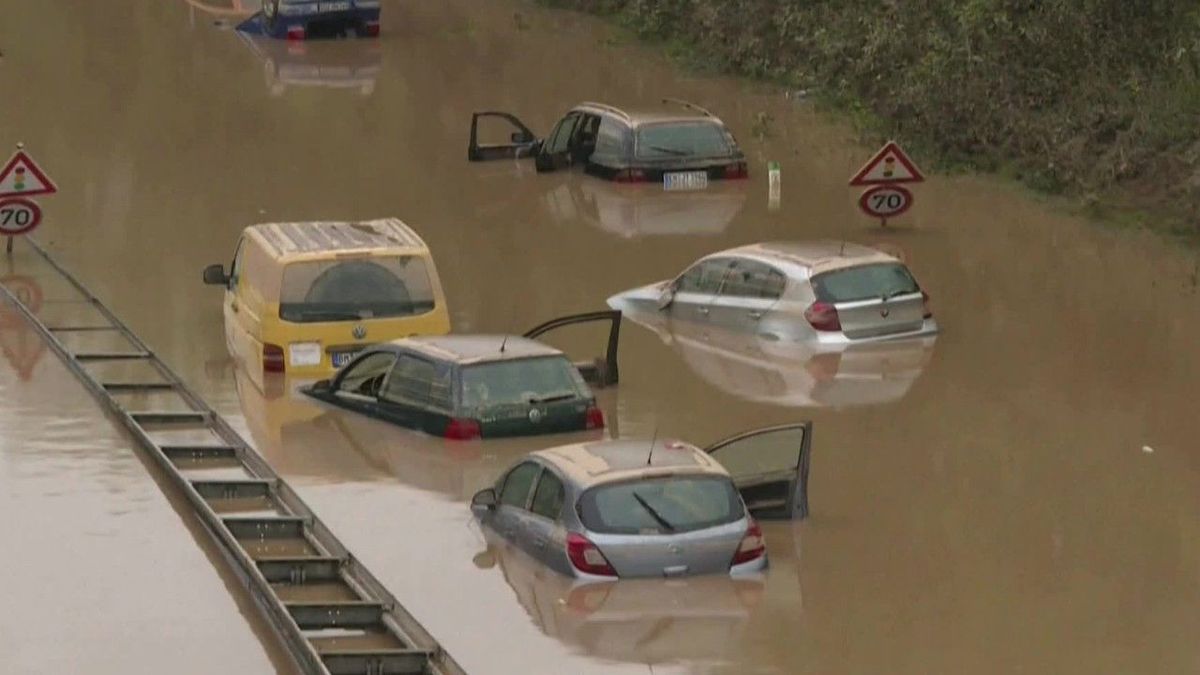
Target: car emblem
[(535, 415), (359, 332), (884, 312)]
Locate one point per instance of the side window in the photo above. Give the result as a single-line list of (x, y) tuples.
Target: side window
[(517, 484), (704, 277), (548, 498), (365, 375), (417, 381), (611, 137), (562, 134), (585, 134), (752, 279), (235, 268)]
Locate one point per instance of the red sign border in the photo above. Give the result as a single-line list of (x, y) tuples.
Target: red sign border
[(860, 178), (35, 169), (865, 196), (28, 203)]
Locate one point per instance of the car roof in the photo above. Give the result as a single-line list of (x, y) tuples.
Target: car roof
[(638, 116), (290, 240), (809, 258), (469, 349), (592, 463)]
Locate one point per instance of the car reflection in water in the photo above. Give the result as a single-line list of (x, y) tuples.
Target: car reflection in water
[(643, 210), (791, 374), (351, 64), (639, 620)]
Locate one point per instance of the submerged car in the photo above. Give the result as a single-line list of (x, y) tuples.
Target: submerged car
[(650, 508), (465, 387), (681, 151), (304, 298), (828, 293), (333, 66), (304, 19)]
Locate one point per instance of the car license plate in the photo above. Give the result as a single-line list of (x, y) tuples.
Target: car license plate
[(342, 358), (685, 180), (335, 6)]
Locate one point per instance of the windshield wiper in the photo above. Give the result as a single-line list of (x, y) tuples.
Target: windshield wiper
[(670, 151), (898, 291), (329, 315), (654, 514), (551, 398)]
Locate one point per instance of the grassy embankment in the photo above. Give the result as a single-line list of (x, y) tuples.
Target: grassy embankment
[(1097, 100)]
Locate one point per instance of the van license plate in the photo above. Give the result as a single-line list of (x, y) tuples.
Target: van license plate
[(685, 180), (342, 358), (334, 6)]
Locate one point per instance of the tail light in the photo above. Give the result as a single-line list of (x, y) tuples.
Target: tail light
[(823, 316), (371, 29), (272, 356), (463, 429), (736, 170), (925, 305), (753, 545), (295, 32), (586, 557), (630, 176), (595, 418)]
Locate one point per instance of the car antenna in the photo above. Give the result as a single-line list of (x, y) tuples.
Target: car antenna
[(653, 438), (502, 343)]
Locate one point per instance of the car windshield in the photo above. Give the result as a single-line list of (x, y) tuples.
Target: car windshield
[(355, 289), (542, 379), (883, 280), (660, 505), (682, 140)]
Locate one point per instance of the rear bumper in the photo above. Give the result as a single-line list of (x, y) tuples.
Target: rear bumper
[(929, 328)]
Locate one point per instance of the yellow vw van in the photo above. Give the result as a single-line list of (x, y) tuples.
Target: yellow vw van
[(304, 298)]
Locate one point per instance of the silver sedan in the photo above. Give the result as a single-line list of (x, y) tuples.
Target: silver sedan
[(624, 508), (826, 293)]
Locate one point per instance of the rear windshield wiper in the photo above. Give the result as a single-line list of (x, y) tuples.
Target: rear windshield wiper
[(654, 514), (670, 151), (899, 291), (327, 315), (551, 398)]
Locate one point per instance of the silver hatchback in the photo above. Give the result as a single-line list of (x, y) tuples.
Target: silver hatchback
[(624, 508), (826, 293)]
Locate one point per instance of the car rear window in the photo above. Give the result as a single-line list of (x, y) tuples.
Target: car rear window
[(355, 289), (882, 280), (660, 505), (682, 140), (520, 382)]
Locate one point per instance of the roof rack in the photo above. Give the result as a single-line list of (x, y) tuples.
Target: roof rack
[(686, 104), (608, 108)]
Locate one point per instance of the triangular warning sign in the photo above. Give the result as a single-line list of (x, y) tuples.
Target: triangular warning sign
[(889, 165), (21, 176)]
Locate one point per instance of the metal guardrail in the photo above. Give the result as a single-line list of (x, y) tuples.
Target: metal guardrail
[(333, 616)]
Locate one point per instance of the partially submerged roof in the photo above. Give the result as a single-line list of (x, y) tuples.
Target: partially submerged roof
[(605, 461), (290, 239), (467, 349), (813, 257), (667, 112)]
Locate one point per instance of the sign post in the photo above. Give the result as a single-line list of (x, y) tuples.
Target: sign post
[(883, 175), (20, 179)]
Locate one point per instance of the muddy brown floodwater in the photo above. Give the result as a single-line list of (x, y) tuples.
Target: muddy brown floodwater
[(1021, 497)]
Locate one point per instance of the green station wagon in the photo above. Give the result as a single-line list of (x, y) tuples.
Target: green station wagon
[(466, 387)]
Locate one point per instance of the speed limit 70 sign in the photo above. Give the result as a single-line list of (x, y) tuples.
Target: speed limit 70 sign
[(885, 201), (18, 216)]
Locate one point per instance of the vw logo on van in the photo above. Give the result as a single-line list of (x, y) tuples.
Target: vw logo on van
[(359, 332), (535, 415)]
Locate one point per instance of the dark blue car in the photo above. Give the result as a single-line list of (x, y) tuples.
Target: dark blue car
[(303, 19)]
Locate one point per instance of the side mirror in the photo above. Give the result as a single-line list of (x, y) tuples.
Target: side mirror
[(322, 385), (484, 500), (485, 560), (667, 296), (522, 137), (214, 275)]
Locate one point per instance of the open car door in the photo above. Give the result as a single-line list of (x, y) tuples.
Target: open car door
[(770, 468), (523, 142), (602, 371)]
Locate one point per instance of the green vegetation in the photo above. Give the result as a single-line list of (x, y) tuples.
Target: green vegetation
[(1098, 99)]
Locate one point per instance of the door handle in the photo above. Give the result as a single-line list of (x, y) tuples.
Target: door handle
[(754, 314), (702, 310), (233, 306), (540, 542)]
